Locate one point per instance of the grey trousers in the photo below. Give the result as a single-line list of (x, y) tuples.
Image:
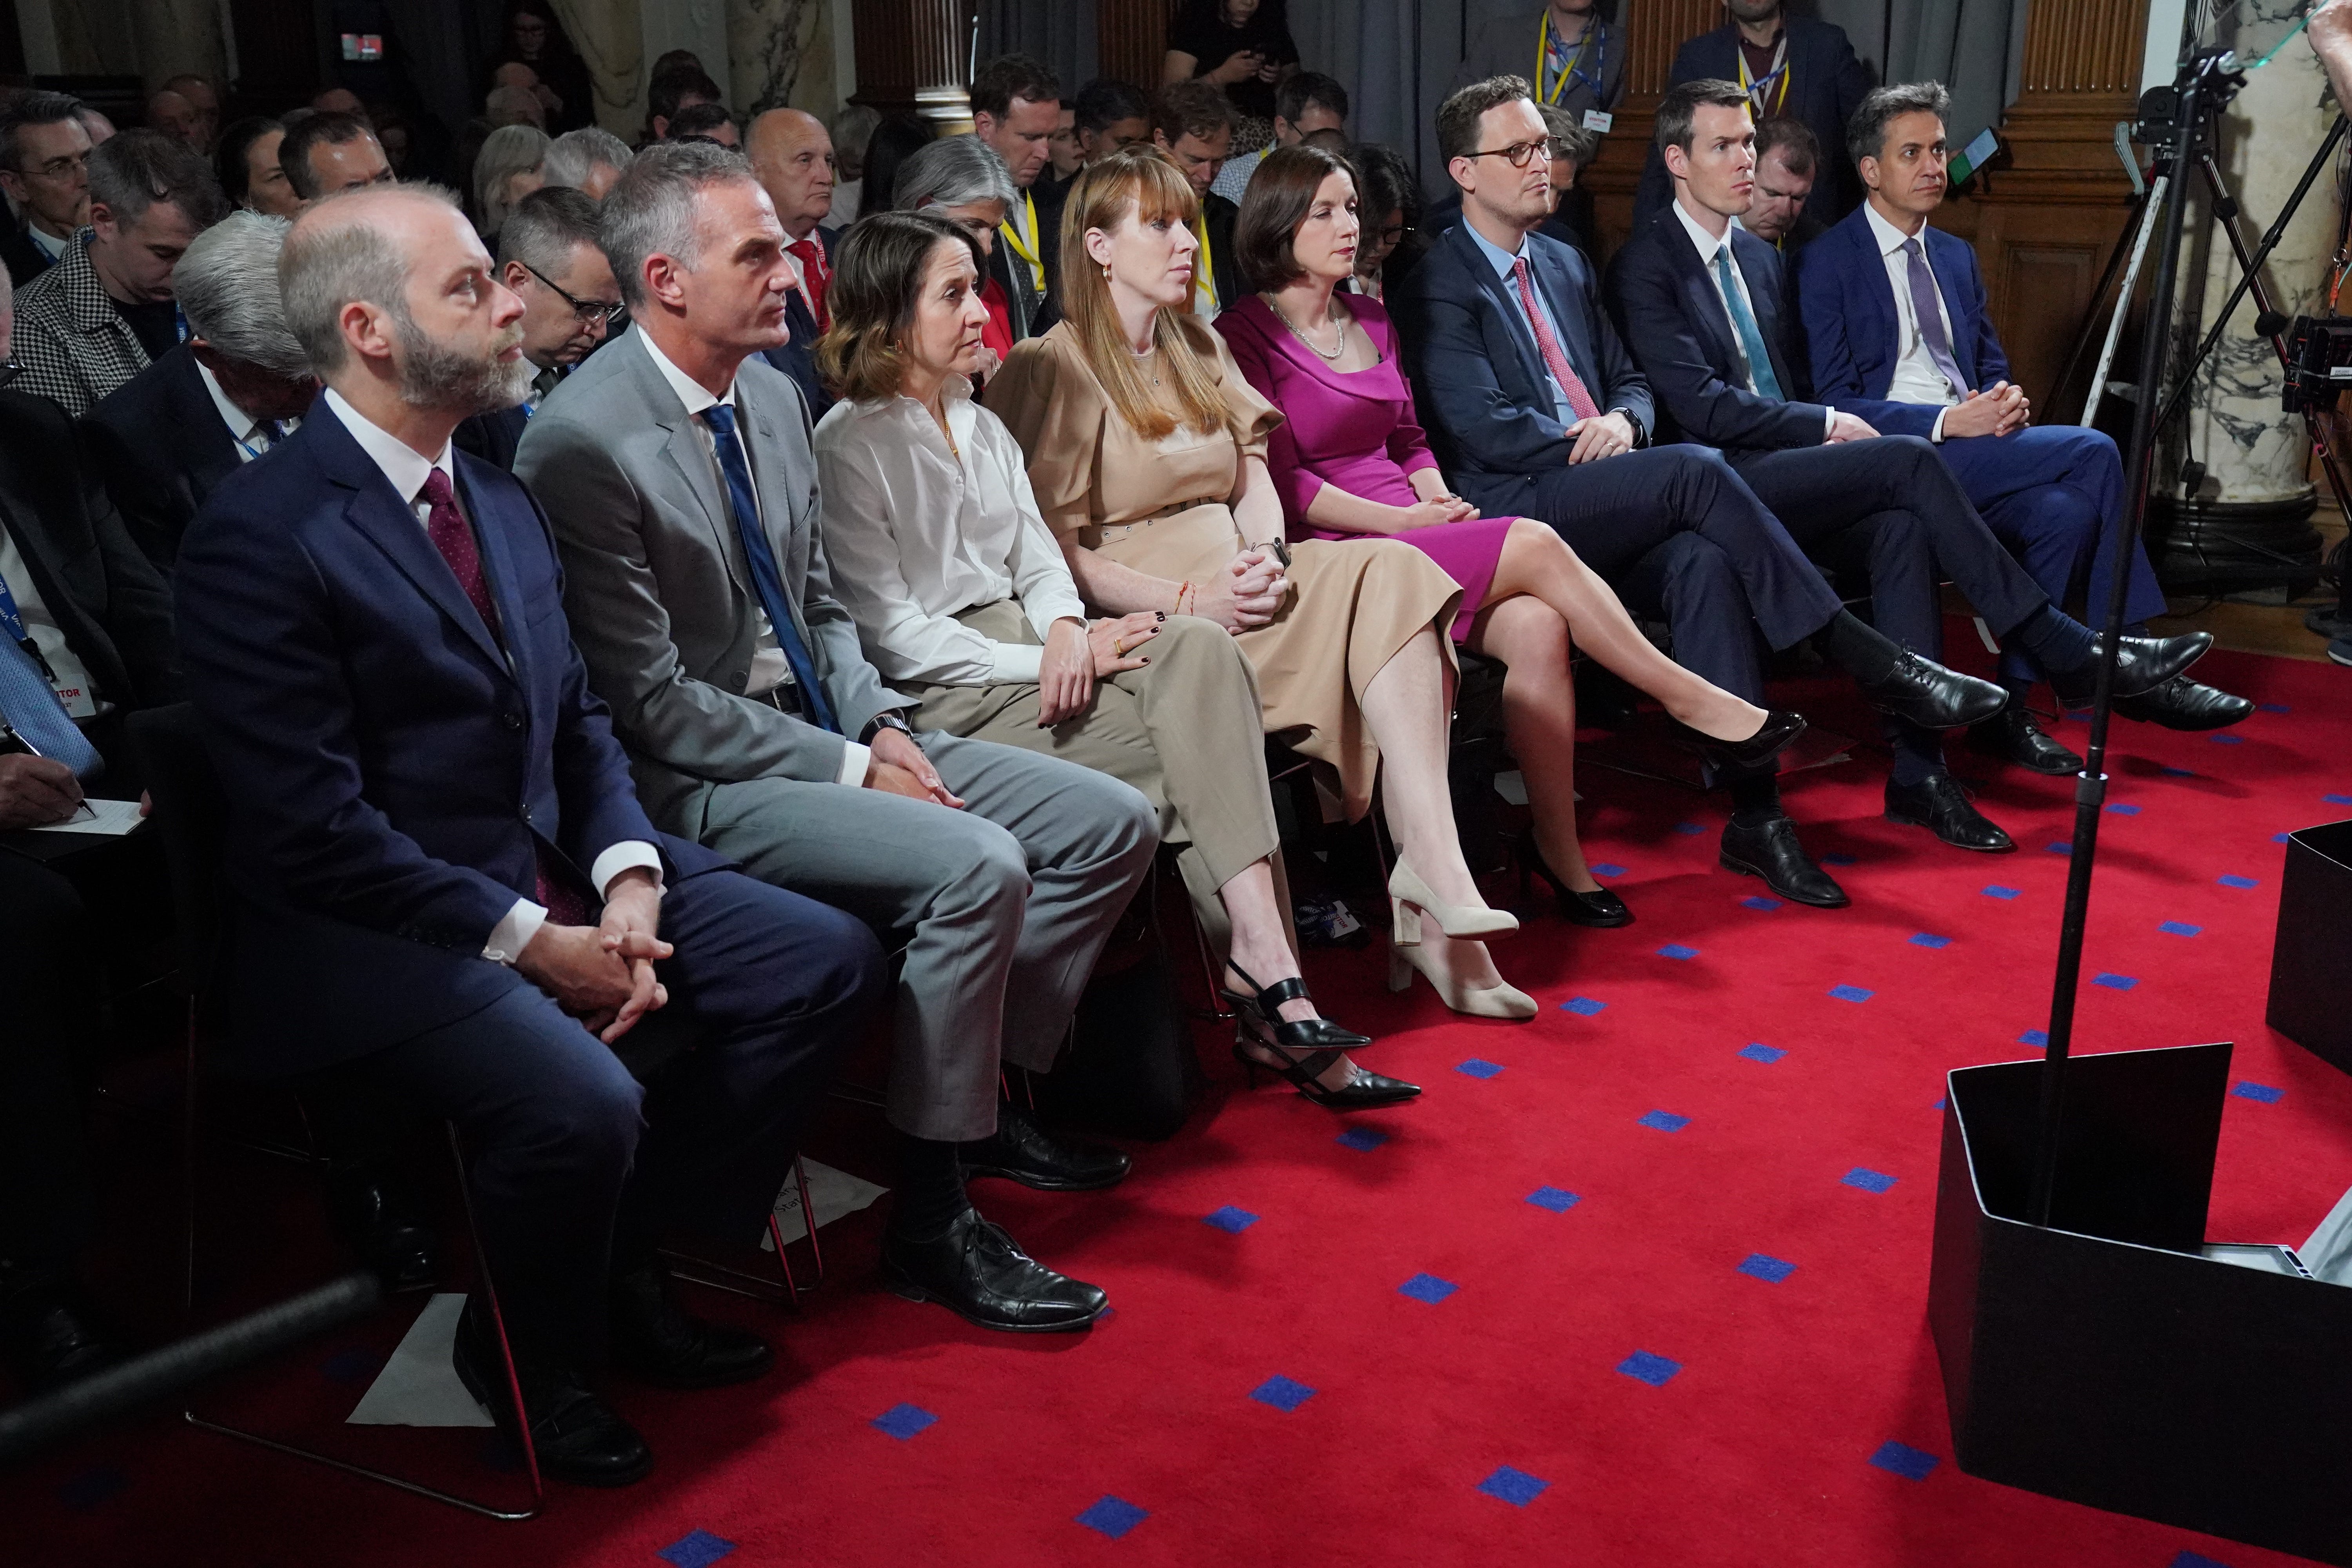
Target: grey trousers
[(1007, 904)]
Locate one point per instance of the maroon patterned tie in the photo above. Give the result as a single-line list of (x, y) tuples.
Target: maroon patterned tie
[(454, 538)]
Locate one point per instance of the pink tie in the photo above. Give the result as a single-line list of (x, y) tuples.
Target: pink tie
[(1579, 401)]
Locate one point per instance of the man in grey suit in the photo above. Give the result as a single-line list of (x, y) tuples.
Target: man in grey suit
[(676, 471)]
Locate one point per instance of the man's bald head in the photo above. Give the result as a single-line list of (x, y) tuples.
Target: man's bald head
[(792, 153), (175, 115)]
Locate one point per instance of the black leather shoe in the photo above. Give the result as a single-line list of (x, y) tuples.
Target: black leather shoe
[(1021, 1150), (1930, 696), (48, 1334), (578, 1437), (976, 1272), (2013, 736), (2142, 665), (656, 1340), (1772, 737), (1769, 849), (2182, 703), (1600, 908), (1938, 804), (375, 1217)]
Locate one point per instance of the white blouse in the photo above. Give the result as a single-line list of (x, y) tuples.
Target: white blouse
[(915, 534)]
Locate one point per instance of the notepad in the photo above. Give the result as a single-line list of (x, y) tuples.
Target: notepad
[(107, 818)]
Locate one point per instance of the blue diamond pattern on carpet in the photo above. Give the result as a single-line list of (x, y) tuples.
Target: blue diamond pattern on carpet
[(2197, 1559), (2177, 773), (903, 1421), (1760, 1052), (699, 1548), (1559, 1200), (1608, 869), (1427, 1288), (1513, 1486), (1689, 827), (1850, 994), (1231, 1219), (1654, 1370), (1759, 901), (1477, 1067), (2178, 928), (2061, 847), (1282, 1393), (2034, 1037), (2337, 799), (1582, 1007), (1868, 1180), (1926, 939), (2267, 708), (1362, 1138), (1905, 1461), (1771, 1270), (357, 1365), (2246, 1088), (1995, 891), (2124, 808), (2239, 881), (2281, 837), (1665, 1120), (1676, 950), (1840, 861), (91, 1486), (1113, 1516), (2229, 740), (2116, 982)]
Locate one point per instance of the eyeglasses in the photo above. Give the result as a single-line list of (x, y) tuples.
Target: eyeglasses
[(1520, 154), (590, 311), (67, 168), (1393, 234)]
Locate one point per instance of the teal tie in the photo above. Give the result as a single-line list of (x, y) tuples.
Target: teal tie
[(1743, 322)]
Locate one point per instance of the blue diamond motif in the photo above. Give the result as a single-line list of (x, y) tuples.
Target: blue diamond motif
[(699, 1549), (1927, 940), (2116, 982), (2229, 740), (1996, 890), (2177, 773), (1559, 1200), (1654, 1370), (1905, 1461), (1760, 1052), (1427, 1288), (1582, 1007), (2281, 837), (1513, 1486), (2061, 847), (903, 1421), (1869, 1181), (2122, 808), (1282, 1393), (1676, 950), (1230, 1219), (357, 1365), (1362, 1138), (1840, 861), (2238, 881), (1665, 1120), (2197, 1559), (1688, 827), (1759, 901), (2034, 1037), (2261, 1094), (1771, 1270), (2178, 928), (1113, 1516), (1608, 869), (1850, 994), (2268, 708), (2337, 799), (1478, 1067)]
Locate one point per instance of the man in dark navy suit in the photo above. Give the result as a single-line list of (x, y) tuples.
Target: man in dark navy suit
[(1701, 300), (446, 889), (1538, 411), (549, 256), (792, 153), (1898, 332)]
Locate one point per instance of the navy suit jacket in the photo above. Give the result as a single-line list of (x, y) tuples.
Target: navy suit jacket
[(493, 437), (393, 766), (1479, 382), (1826, 84), (1845, 304), (1667, 305), (159, 445), (797, 358)]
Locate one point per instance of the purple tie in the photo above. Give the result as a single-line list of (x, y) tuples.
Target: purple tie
[(1925, 307)]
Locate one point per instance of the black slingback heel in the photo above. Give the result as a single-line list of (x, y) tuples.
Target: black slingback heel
[(1321, 1041)]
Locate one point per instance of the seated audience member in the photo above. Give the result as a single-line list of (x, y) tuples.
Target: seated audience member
[(164, 439), (514, 104), (672, 88), (1898, 333), (964, 599), (1702, 302), (1787, 164), (548, 255), (104, 312), (1304, 104), (752, 716), (1389, 209), (340, 100), (171, 115), (1349, 459), (1572, 147), (45, 169), (959, 179), (204, 124), (250, 177), (329, 151), (708, 122), (1193, 126), (894, 140), (1014, 103), (587, 159), (1146, 450), (1241, 48), (396, 137), (1063, 158), (1110, 117), (792, 157), (850, 131), (537, 40), (404, 931), (505, 170), (1537, 410), (1579, 59)]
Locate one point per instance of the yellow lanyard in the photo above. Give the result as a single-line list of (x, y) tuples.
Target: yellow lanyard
[(1567, 71), (1205, 271), (1027, 252), (1780, 68)]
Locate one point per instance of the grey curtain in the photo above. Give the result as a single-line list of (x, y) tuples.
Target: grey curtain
[(1975, 48), (1059, 32), (1394, 57)]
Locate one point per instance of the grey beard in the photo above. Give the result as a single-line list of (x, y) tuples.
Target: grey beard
[(434, 377)]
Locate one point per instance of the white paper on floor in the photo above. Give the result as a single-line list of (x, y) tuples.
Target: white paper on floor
[(419, 1386), (833, 1193)]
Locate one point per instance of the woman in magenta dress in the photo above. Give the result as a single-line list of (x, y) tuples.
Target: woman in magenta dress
[(1349, 458)]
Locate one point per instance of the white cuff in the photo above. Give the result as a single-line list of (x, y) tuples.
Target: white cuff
[(1936, 433), (627, 855), (514, 930), (855, 760), (1014, 664), (1829, 423)]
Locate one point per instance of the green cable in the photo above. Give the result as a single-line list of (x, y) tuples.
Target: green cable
[(2301, 23)]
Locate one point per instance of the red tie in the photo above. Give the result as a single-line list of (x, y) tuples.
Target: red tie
[(447, 527), (1579, 401), (818, 276)]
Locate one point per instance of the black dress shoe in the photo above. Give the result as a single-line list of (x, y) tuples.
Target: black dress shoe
[(48, 1334), (976, 1272), (372, 1212), (1928, 695), (1938, 804), (1772, 737), (1769, 849), (2182, 703), (654, 1339), (2142, 664), (578, 1437), (2013, 736), (1021, 1150), (1599, 909)]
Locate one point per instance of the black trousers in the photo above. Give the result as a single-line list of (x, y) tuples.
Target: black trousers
[(47, 1010)]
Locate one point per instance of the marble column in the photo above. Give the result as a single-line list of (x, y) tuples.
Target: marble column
[(2251, 507), (915, 57)]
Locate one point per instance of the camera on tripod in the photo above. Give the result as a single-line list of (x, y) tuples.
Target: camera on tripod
[(2318, 362)]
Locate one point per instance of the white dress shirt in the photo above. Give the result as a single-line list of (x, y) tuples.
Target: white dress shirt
[(769, 668), (49, 245), (246, 430), (1708, 245), (72, 680), (1916, 379), (922, 532), (408, 470)]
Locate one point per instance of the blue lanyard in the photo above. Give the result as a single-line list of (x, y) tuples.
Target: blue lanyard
[(1597, 37), (10, 621)]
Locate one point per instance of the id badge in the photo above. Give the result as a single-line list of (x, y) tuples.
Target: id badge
[(78, 701), (1597, 123)]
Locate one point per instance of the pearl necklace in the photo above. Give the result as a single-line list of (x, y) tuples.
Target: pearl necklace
[(1331, 316)]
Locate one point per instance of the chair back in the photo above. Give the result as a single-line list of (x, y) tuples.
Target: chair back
[(191, 814)]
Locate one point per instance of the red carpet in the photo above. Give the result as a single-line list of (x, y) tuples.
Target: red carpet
[(1479, 1368)]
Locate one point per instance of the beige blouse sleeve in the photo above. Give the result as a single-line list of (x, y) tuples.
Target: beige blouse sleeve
[(1254, 417), (1055, 408)]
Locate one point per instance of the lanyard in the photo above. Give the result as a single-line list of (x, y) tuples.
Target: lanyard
[(1572, 71), (1027, 252), (11, 622), (1204, 271), (1761, 89)]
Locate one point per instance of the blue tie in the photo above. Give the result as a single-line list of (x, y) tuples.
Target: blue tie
[(770, 582), (1743, 322), (29, 705)]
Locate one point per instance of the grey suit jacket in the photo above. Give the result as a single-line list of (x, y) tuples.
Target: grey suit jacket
[(658, 589)]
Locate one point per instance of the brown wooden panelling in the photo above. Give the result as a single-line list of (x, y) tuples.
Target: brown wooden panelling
[(1131, 39), (1654, 29), (911, 52)]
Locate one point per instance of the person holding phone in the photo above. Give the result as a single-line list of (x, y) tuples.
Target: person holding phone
[(1241, 46)]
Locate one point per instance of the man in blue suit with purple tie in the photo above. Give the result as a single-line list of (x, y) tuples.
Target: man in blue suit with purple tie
[(1894, 319)]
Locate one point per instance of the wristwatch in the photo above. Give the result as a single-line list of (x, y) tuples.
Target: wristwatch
[(881, 722), (1641, 436)]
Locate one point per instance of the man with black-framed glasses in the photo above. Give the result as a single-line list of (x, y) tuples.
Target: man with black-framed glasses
[(548, 255), (45, 169)]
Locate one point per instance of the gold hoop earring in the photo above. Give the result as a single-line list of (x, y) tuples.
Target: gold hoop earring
[(1106, 271)]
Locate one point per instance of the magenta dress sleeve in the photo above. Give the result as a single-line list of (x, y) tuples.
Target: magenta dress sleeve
[(1296, 484), (1408, 444)]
